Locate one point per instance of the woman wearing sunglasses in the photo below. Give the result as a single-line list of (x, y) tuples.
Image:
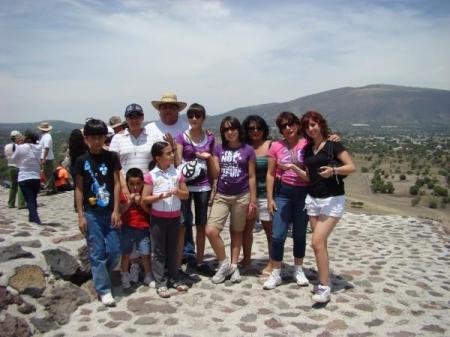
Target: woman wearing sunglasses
[(197, 144), (286, 193), (257, 135), (234, 167)]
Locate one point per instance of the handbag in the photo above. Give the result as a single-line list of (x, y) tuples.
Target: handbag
[(194, 169)]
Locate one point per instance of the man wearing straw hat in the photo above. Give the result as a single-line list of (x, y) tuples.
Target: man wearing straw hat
[(47, 157), (167, 128)]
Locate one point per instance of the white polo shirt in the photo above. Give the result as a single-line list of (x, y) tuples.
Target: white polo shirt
[(47, 143), (133, 152), (26, 157), (158, 129)]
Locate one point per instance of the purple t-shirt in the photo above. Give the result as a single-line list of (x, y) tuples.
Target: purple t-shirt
[(189, 150), (233, 163)]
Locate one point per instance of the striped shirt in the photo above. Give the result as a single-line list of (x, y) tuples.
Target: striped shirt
[(165, 181), (133, 152)]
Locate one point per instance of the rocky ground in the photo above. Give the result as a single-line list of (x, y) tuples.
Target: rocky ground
[(390, 278)]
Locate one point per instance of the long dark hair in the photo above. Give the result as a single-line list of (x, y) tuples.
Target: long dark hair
[(77, 146), (260, 122), (318, 118), (234, 123), (30, 137), (156, 151)]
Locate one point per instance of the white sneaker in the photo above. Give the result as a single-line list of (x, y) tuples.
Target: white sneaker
[(322, 294), (108, 300), (134, 273), (272, 282), (149, 280), (300, 277), (125, 280), (224, 271), (236, 276)]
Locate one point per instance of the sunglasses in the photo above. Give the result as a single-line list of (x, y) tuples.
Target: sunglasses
[(285, 125), (192, 114), (231, 128), (255, 129)]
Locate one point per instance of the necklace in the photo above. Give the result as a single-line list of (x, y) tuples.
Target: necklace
[(318, 148)]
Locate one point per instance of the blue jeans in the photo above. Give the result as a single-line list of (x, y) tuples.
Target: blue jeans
[(104, 248), (290, 202), (201, 200), (30, 189)]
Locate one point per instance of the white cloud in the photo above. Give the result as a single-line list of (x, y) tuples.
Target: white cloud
[(95, 59)]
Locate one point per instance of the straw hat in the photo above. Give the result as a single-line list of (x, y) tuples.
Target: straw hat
[(115, 121), (169, 98), (44, 126)]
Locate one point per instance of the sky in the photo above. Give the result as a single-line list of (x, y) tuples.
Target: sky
[(72, 59)]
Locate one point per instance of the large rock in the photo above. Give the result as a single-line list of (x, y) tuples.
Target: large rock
[(29, 280), (62, 300), (13, 326), (12, 252), (61, 263)]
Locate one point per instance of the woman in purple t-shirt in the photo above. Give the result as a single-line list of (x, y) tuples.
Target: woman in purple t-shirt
[(234, 166), (197, 144)]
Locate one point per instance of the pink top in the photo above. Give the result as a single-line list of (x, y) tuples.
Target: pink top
[(280, 152)]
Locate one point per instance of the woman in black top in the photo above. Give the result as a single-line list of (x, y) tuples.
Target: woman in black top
[(327, 163)]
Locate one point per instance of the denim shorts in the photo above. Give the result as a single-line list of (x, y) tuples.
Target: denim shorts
[(132, 235)]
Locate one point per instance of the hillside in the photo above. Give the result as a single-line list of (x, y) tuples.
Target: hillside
[(375, 105)]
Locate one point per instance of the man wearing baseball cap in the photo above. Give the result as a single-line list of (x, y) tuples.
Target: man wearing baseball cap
[(16, 138)]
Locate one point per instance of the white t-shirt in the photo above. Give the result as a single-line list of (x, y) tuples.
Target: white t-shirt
[(47, 143), (133, 152), (158, 129), (26, 157), (8, 151)]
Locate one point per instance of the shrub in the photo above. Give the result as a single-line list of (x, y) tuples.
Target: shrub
[(440, 191), (415, 201), (430, 185), (388, 188), (364, 169), (432, 203), (414, 190), (402, 177)]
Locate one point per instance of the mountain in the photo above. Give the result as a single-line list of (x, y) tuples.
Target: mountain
[(58, 126), (375, 105)]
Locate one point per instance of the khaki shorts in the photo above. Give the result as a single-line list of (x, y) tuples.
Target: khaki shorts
[(235, 205)]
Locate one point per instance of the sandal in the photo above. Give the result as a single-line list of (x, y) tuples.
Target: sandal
[(163, 292), (181, 287)]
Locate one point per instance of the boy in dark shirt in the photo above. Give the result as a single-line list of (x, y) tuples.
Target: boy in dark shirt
[(97, 197)]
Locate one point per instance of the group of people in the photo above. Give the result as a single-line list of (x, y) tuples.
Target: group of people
[(30, 160), (134, 199)]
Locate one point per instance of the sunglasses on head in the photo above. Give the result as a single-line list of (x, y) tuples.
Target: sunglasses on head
[(192, 114), (230, 128), (285, 125)]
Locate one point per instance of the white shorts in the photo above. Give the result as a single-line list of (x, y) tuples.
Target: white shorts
[(332, 206), (263, 213)]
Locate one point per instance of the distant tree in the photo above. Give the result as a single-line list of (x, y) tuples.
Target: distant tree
[(402, 177), (364, 169), (388, 188), (414, 190), (440, 191), (415, 201), (432, 203)]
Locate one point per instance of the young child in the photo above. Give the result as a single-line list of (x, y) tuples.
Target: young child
[(97, 198), (164, 187), (135, 227)]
